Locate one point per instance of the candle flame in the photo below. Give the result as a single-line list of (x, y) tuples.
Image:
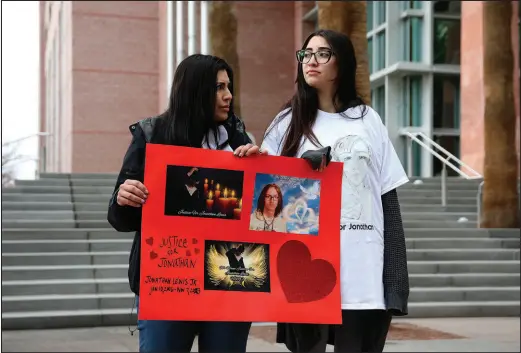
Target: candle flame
[(206, 181), (240, 203), (218, 186), (225, 193), (233, 193), (211, 182), (210, 195)]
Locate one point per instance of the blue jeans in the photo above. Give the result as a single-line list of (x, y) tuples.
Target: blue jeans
[(178, 336)]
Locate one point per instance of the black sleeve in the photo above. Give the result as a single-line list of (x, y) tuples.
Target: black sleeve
[(237, 134), (126, 218), (395, 272)]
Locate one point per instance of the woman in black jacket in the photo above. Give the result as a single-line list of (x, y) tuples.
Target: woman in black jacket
[(200, 114)]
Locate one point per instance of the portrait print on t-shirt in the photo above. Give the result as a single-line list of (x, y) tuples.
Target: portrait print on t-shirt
[(285, 204), (355, 152)]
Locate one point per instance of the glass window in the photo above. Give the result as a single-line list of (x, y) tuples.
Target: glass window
[(446, 102), (411, 4), (380, 51), (370, 54), (449, 7), (412, 28), (451, 144), (380, 12), (416, 151), (446, 41), (378, 101), (369, 15), (412, 93)]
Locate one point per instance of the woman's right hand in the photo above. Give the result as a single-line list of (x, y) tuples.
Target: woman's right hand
[(248, 150), (132, 193)]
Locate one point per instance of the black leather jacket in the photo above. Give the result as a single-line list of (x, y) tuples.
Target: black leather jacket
[(128, 219)]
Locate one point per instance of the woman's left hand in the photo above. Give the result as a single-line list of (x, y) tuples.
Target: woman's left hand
[(248, 150)]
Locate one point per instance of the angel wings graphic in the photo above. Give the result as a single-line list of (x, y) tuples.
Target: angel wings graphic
[(255, 262)]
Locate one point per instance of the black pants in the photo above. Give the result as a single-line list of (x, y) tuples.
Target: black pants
[(361, 331)]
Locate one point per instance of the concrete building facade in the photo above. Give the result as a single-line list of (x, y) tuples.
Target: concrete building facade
[(108, 64)]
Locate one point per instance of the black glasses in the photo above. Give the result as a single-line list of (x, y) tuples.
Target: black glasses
[(322, 56)]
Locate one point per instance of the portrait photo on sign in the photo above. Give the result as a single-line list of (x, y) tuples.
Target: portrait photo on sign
[(285, 204), (203, 192), (232, 266)]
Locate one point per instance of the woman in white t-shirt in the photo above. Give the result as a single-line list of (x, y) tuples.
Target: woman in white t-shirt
[(327, 118)]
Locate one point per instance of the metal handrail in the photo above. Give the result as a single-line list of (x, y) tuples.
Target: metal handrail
[(445, 162), (450, 155)]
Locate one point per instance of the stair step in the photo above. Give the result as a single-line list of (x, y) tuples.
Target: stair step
[(65, 245), (13, 273), (65, 286), (71, 258), (470, 294), (49, 224), (464, 309), (487, 266), (462, 243), (462, 254), (36, 215), (64, 234), (49, 302), (464, 279), (451, 224), (74, 176)]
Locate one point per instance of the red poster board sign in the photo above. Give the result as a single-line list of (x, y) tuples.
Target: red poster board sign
[(239, 239)]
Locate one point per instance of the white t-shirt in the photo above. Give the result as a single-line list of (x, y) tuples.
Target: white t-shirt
[(371, 169)]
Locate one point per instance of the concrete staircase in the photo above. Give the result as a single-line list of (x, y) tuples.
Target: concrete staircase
[(63, 266)]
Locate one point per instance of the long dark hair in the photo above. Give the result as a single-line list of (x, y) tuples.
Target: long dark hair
[(189, 117), (261, 201), (303, 106)]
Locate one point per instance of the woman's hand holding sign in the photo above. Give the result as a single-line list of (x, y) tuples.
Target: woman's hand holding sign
[(132, 193)]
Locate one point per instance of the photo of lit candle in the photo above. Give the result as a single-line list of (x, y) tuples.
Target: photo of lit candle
[(217, 190), (223, 202), (209, 201), (233, 200), (237, 211)]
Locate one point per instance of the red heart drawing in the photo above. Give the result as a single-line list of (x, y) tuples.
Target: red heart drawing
[(196, 251), (149, 241), (194, 241), (302, 279), (153, 255), (188, 253)]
